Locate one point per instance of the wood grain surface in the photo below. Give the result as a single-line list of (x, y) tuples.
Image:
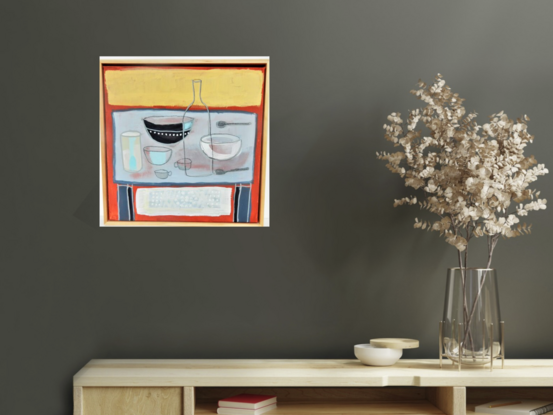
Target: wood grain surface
[(189, 400), (450, 400), (77, 400), (132, 401), (304, 373)]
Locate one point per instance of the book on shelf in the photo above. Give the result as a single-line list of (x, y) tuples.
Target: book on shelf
[(247, 401), (515, 407), (247, 404), (243, 411)]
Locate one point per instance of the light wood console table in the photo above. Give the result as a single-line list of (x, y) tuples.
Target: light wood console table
[(330, 387)]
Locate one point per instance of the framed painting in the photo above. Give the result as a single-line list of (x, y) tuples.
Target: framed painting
[(183, 141)]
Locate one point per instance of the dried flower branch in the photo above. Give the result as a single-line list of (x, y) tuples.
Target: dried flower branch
[(475, 178)]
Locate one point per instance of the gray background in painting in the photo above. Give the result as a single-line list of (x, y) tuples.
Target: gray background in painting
[(132, 121), (338, 265)]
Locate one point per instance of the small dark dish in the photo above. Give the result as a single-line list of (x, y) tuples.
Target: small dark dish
[(168, 130)]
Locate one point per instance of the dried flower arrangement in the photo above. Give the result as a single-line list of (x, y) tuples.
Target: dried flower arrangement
[(475, 178)]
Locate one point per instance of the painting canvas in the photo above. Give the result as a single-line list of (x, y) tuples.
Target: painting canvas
[(183, 141)]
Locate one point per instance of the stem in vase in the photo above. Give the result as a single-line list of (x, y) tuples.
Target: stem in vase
[(492, 242)]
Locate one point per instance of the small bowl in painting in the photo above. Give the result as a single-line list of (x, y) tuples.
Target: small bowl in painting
[(157, 155)]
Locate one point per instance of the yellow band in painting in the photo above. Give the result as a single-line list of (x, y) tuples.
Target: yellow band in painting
[(173, 87)]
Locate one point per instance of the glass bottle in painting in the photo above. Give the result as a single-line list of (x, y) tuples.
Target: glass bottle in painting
[(131, 151), (196, 163)]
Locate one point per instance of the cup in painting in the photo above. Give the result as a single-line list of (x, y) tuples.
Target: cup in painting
[(163, 174), (183, 164)]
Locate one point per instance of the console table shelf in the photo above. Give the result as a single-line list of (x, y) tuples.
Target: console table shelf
[(333, 408), (177, 387)]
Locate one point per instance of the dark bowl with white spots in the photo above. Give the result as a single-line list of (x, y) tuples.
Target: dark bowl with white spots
[(168, 130)]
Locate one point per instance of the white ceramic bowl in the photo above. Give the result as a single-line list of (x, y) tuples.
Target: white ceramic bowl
[(376, 356)]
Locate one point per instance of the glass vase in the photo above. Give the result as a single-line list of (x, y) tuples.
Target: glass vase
[(471, 331)]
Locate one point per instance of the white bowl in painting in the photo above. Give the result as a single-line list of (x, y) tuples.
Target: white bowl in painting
[(220, 146), (376, 356)]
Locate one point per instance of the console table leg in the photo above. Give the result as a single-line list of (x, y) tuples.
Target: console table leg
[(77, 400), (450, 400), (189, 401)]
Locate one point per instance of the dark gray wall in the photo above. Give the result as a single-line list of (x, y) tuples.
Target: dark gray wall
[(338, 265)]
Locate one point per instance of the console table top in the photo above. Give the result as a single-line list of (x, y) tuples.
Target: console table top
[(305, 373)]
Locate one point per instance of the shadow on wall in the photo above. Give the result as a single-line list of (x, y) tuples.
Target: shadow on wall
[(87, 211)]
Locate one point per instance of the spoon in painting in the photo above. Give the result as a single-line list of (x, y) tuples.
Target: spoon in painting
[(221, 171), (223, 124)]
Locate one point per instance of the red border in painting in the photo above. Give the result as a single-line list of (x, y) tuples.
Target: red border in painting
[(113, 214)]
